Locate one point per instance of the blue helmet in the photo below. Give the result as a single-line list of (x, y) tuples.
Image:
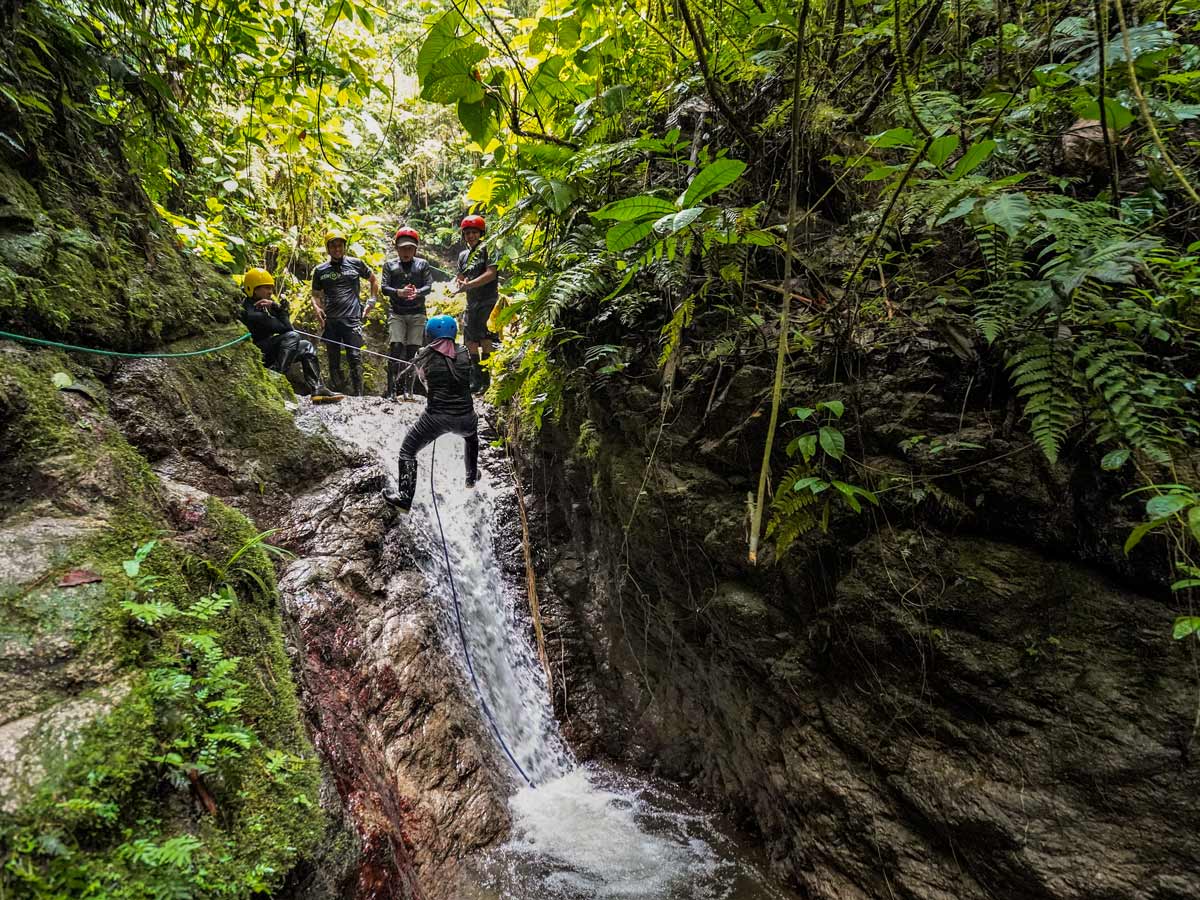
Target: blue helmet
[(442, 326)]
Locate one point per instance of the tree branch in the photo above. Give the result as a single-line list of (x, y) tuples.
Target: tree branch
[(710, 84), (918, 37)]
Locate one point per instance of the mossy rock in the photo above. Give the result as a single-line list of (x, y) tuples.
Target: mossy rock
[(226, 411), (96, 807), (103, 741)]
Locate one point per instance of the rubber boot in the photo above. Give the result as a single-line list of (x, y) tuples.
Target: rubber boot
[(312, 381), (406, 484), (356, 381), (476, 373), (471, 458), (485, 374), (317, 391), (394, 374)]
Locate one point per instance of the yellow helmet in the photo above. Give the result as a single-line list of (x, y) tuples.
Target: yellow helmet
[(255, 278), (335, 234)]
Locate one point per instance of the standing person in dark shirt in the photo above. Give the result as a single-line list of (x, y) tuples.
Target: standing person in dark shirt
[(271, 330), (477, 276), (336, 285), (445, 370), (407, 281)]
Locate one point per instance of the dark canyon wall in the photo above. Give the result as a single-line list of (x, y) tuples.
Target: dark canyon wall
[(969, 692)]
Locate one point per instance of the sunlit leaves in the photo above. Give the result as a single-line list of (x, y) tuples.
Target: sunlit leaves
[(453, 78), (640, 207), (443, 38), (712, 178)]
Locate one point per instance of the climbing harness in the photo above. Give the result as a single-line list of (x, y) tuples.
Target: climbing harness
[(462, 635), (32, 340)]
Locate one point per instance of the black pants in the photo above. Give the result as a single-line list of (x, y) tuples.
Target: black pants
[(475, 327), (427, 429), (348, 332), (289, 348)]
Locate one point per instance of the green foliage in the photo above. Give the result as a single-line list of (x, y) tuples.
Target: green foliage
[(1080, 303), (199, 782), (807, 484)]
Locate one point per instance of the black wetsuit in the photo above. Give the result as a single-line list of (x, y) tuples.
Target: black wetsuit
[(480, 300), (272, 332), (396, 277), (341, 283), (449, 410)]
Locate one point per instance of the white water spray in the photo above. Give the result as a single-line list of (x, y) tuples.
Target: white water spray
[(583, 831)]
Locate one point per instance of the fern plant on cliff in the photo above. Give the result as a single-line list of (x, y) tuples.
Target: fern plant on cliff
[(1084, 308)]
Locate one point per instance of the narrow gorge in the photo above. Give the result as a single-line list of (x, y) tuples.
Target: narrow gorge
[(837, 530)]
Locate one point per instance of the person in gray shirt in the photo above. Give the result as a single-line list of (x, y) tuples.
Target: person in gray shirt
[(336, 286)]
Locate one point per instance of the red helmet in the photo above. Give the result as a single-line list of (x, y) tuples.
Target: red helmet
[(473, 222), (410, 233)]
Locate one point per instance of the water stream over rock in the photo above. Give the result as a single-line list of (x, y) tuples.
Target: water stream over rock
[(581, 831)]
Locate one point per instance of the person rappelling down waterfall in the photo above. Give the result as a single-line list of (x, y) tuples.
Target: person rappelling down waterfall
[(445, 370)]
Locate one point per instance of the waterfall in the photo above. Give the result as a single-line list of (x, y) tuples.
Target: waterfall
[(583, 831)]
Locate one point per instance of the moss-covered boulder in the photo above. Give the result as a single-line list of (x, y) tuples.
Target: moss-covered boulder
[(151, 744), (84, 254)]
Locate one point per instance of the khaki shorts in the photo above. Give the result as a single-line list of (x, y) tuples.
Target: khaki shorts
[(407, 329)]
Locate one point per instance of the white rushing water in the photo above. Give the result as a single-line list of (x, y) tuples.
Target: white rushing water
[(582, 831)]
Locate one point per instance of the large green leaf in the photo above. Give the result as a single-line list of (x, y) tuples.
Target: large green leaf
[(975, 156), (712, 178), (677, 221), (1186, 625), (556, 194), (452, 78), (1143, 39), (1166, 505), (939, 151), (642, 206), (1009, 212), (443, 38), (481, 119), (624, 235), (548, 85), (833, 442), (1116, 115)]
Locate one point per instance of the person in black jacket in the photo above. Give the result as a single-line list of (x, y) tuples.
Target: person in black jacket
[(477, 278), (406, 281), (271, 330), (445, 370)]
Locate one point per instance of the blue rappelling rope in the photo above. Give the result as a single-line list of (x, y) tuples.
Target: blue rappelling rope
[(462, 634)]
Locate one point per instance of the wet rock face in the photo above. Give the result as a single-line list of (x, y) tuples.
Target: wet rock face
[(976, 697), (415, 778)]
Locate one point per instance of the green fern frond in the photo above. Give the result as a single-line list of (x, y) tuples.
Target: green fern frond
[(792, 513), (1043, 377)]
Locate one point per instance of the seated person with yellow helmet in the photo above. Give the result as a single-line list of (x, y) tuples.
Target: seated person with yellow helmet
[(271, 330)]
